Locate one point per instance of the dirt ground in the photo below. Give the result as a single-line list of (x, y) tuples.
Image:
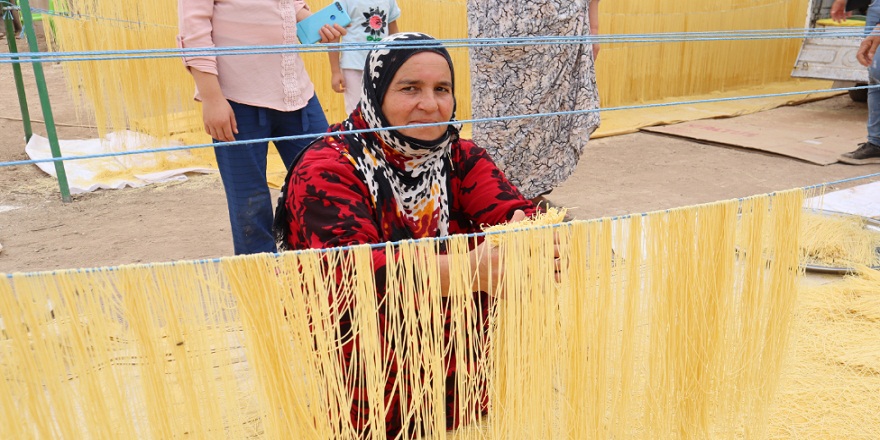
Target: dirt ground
[(188, 220)]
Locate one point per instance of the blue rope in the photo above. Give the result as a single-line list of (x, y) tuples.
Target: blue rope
[(62, 14), (466, 121), (7, 8), (841, 181), (374, 246), (29, 57), (482, 42), (371, 246)]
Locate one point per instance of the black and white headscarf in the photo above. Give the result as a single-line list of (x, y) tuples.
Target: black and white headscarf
[(406, 177), (410, 173)]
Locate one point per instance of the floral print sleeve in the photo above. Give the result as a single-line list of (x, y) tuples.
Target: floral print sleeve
[(482, 193), (330, 205), (327, 202)]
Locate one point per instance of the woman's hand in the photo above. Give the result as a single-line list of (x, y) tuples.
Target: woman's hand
[(485, 261), (593, 16), (217, 114)]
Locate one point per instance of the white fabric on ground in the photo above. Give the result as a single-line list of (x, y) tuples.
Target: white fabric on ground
[(861, 200), (117, 172)]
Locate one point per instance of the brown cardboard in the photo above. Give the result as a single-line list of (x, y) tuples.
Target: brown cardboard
[(815, 136)]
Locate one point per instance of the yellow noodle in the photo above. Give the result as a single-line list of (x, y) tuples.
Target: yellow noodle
[(670, 325), (155, 95), (831, 383), (550, 216), (838, 241)]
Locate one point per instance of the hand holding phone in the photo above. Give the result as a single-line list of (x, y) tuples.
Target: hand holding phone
[(309, 30)]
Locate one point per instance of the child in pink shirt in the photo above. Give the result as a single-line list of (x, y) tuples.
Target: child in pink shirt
[(251, 97)]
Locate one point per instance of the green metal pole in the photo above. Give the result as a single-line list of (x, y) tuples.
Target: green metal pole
[(48, 17), (27, 22), (16, 72)]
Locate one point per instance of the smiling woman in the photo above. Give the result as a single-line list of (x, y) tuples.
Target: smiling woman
[(421, 93), (393, 185)]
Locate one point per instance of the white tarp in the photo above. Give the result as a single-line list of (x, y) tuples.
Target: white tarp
[(117, 172), (861, 200)]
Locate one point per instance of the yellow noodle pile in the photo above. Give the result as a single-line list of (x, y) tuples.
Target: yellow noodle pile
[(831, 383), (838, 241), (681, 337), (549, 216), (150, 95)]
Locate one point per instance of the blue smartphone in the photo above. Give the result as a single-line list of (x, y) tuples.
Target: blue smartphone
[(307, 30)]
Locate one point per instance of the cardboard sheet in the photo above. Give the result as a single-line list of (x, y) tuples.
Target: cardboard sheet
[(807, 134), (730, 103)]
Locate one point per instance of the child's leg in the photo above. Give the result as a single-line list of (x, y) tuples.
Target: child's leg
[(243, 172), (353, 87)]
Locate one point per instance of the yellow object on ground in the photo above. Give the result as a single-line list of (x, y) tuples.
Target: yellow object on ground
[(830, 387), (631, 120), (838, 240), (845, 23), (681, 334)]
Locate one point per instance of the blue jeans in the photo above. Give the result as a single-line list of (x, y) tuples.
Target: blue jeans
[(243, 168), (873, 17)]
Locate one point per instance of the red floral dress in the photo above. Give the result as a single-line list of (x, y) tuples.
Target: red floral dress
[(330, 205)]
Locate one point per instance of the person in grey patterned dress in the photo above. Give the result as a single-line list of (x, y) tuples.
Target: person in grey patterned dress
[(536, 154)]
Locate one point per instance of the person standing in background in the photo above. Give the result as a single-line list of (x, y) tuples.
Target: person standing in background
[(249, 97), (843, 9), (535, 154), (868, 152), (371, 21), (16, 20)]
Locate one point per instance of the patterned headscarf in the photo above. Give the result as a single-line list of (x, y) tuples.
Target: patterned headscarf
[(406, 176), (410, 173)]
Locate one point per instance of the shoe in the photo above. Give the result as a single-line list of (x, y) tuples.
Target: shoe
[(865, 154)]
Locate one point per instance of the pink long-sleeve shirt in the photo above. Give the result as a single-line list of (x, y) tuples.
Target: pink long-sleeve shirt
[(278, 81)]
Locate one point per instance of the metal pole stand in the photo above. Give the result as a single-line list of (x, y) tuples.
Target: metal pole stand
[(6, 9), (27, 22)]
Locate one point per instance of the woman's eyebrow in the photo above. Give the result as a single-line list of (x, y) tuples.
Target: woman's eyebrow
[(410, 82), (406, 81)]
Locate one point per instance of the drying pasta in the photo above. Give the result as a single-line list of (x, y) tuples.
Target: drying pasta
[(838, 240), (154, 95), (830, 387), (681, 336)]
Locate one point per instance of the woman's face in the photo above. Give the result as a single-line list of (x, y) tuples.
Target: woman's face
[(420, 93)]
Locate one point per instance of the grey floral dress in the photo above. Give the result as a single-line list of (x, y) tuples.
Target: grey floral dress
[(536, 154)]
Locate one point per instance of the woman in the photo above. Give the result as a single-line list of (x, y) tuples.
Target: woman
[(535, 154), (377, 187)]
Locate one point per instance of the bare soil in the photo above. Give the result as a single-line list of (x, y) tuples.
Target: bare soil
[(188, 220)]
